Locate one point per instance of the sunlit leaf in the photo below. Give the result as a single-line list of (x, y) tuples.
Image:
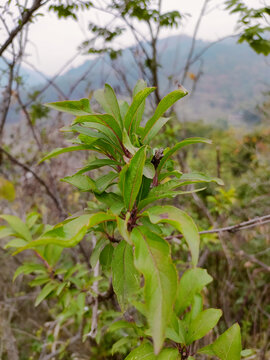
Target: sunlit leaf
[(81, 182), (107, 99), (46, 290), (59, 151), (17, 226), (125, 278), (146, 352), (69, 233), (227, 346), (153, 260), (131, 115), (182, 222), (131, 178), (202, 324), (162, 107), (191, 282), (77, 107)]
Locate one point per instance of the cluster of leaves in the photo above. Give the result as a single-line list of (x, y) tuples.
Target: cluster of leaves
[(253, 24), (107, 34), (68, 9), (143, 11), (168, 314)]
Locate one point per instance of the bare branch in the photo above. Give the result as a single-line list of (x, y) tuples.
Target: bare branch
[(7, 98), (26, 18), (258, 221), (194, 40), (37, 177)]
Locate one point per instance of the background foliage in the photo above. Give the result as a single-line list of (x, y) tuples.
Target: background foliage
[(68, 286)]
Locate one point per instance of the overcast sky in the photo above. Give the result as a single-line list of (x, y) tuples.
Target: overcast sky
[(55, 41)]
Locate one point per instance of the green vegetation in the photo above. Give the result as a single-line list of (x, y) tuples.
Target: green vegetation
[(135, 232), (128, 235)]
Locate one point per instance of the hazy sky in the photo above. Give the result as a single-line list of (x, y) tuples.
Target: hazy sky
[(55, 41)]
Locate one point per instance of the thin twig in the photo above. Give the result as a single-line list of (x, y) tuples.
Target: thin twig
[(7, 98), (233, 228), (39, 179), (26, 18), (194, 40)]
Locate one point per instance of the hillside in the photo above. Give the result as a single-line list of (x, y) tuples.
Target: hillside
[(220, 93)]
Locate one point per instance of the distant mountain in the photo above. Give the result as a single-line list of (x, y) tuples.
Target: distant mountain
[(232, 81), (31, 77)]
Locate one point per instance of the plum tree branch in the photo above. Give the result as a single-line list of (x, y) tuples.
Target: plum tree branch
[(232, 228)]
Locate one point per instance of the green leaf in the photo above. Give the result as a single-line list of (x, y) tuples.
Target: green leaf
[(153, 260), (107, 99), (39, 280), (78, 107), (192, 282), (247, 352), (59, 151), (123, 108), (88, 135), (60, 288), (97, 250), (98, 163), (15, 243), (105, 123), (202, 324), (169, 354), (17, 226), (131, 178), (162, 107), (146, 352), (52, 253), (122, 226), (121, 324), (154, 196), (106, 256), (31, 219), (155, 129), (127, 143), (113, 201), (69, 234), (7, 190), (199, 177), (28, 269), (196, 308), (178, 146), (125, 277), (5, 232), (81, 182), (45, 292), (131, 115), (105, 181), (140, 85), (182, 222), (176, 331), (121, 344), (149, 170), (227, 346)]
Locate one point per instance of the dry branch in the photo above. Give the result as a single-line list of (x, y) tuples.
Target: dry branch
[(37, 177), (26, 18)]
